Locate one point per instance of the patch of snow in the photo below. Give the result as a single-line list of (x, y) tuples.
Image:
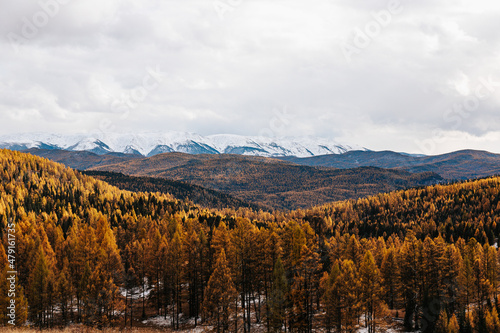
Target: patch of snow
[(135, 293)]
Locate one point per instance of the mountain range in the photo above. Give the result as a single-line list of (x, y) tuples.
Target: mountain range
[(150, 144), (264, 181), (459, 165), (291, 173)]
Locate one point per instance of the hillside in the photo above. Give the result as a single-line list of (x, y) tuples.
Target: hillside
[(271, 182), (460, 165), (81, 160), (258, 180), (87, 252), (198, 195), (464, 209)]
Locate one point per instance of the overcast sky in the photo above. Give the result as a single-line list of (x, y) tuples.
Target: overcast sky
[(418, 76)]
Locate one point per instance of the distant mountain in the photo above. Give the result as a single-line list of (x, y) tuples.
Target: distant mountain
[(150, 144), (459, 165)]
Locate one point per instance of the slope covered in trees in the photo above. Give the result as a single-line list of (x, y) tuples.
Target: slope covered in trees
[(198, 195), (259, 180), (88, 252), (465, 209), (458, 165), (269, 181)]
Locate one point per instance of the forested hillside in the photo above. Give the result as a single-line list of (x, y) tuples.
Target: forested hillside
[(272, 182), (89, 253), (262, 181), (198, 195), (458, 165), (464, 209)]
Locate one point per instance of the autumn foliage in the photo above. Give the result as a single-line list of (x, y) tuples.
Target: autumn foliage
[(89, 253)]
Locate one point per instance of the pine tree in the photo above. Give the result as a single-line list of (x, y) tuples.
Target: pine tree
[(176, 264), (242, 243), (63, 290)]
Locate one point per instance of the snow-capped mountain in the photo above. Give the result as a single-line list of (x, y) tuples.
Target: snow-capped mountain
[(149, 144)]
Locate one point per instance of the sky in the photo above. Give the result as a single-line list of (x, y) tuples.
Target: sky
[(404, 75)]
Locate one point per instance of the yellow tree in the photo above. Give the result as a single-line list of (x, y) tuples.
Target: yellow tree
[(410, 278), (9, 296), (176, 264), (278, 298), (332, 299), (371, 290), (390, 277), (349, 295), (40, 280), (442, 323), (453, 326), (219, 294)]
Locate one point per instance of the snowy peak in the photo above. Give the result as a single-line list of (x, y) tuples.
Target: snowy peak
[(149, 144)]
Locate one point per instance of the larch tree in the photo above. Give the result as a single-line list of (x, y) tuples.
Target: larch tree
[(219, 295), (39, 285), (349, 295), (332, 299), (390, 277), (277, 301), (371, 290), (442, 323)]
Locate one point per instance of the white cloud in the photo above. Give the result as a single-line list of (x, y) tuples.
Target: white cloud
[(228, 75)]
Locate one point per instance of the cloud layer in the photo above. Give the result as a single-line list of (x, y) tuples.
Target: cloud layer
[(415, 76)]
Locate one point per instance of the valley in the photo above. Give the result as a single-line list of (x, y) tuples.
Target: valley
[(272, 183)]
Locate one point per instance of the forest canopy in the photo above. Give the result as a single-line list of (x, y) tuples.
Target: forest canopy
[(87, 252)]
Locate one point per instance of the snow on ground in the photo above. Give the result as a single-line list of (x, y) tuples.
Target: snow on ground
[(380, 329), (135, 293), (161, 321)]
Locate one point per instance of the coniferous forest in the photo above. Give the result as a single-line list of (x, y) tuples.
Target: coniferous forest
[(422, 259)]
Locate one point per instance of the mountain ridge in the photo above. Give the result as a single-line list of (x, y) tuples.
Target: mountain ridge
[(150, 144), (458, 165), (259, 180)]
